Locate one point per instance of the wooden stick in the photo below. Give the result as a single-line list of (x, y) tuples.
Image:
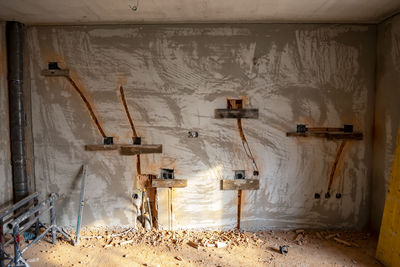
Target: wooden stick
[(341, 241), (171, 210), (239, 213)]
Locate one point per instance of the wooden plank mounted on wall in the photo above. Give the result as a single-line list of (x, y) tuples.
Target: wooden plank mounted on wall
[(240, 184), (327, 135), (245, 113), (143, 181), (169, 183), (101, 147), (128, 150), (55, 73)]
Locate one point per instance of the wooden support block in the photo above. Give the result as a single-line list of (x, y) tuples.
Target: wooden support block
[(240, 184), (169, 183), (152, 195), (236, 113), (328, 135), (143, 181), (56, 73), (101, 147), (128, 150)]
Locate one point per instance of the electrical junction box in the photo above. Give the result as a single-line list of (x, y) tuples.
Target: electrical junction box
[(239, 174), (166, 173)]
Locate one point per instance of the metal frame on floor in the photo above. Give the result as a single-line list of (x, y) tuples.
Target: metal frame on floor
[(21, 217)]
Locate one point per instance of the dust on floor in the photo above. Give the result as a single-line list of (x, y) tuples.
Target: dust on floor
[(208, 248)]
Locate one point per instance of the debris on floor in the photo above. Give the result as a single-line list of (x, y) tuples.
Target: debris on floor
[(124, 246)]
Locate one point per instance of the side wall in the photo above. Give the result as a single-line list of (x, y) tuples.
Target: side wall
[(387, 113), (6, 193), (174, 77)]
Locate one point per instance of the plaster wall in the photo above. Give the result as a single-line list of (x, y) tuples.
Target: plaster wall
[(6, 193), (387, 113), (174, 77)]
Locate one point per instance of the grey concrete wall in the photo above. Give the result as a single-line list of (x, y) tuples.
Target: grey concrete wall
[(6, 193), (174, 77), (387, 113)]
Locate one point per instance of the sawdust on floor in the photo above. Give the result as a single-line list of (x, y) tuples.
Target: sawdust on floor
[(178, 248)]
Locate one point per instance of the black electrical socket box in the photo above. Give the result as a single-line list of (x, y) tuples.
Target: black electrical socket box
[(301, 128), (53, 66), (239, 174), (108, 140), (137, 140), (284, 249), (348, 128), (193, 134), (167, 173)]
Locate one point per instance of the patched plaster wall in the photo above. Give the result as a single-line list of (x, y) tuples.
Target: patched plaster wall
[(6, 193), (387, 113), (174, 77)]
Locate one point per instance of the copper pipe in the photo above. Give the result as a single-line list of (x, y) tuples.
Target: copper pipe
[(239, 212)]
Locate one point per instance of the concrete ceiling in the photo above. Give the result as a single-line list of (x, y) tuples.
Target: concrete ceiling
[(184, 11)]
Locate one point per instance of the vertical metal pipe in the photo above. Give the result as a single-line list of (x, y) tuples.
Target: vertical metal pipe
[(2, 244), (143, 203), (53, 221), (14, 33), (81, 205), (149, 209), (17, 252), (36, 203)]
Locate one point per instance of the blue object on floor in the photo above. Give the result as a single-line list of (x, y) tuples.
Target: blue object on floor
[(28, 236)]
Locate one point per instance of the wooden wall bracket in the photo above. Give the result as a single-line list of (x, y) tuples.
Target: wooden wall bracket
[(101, 147), (126, 149), (236, 113), (56, 73), (240, 184), (169, 183), (328, 135)]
